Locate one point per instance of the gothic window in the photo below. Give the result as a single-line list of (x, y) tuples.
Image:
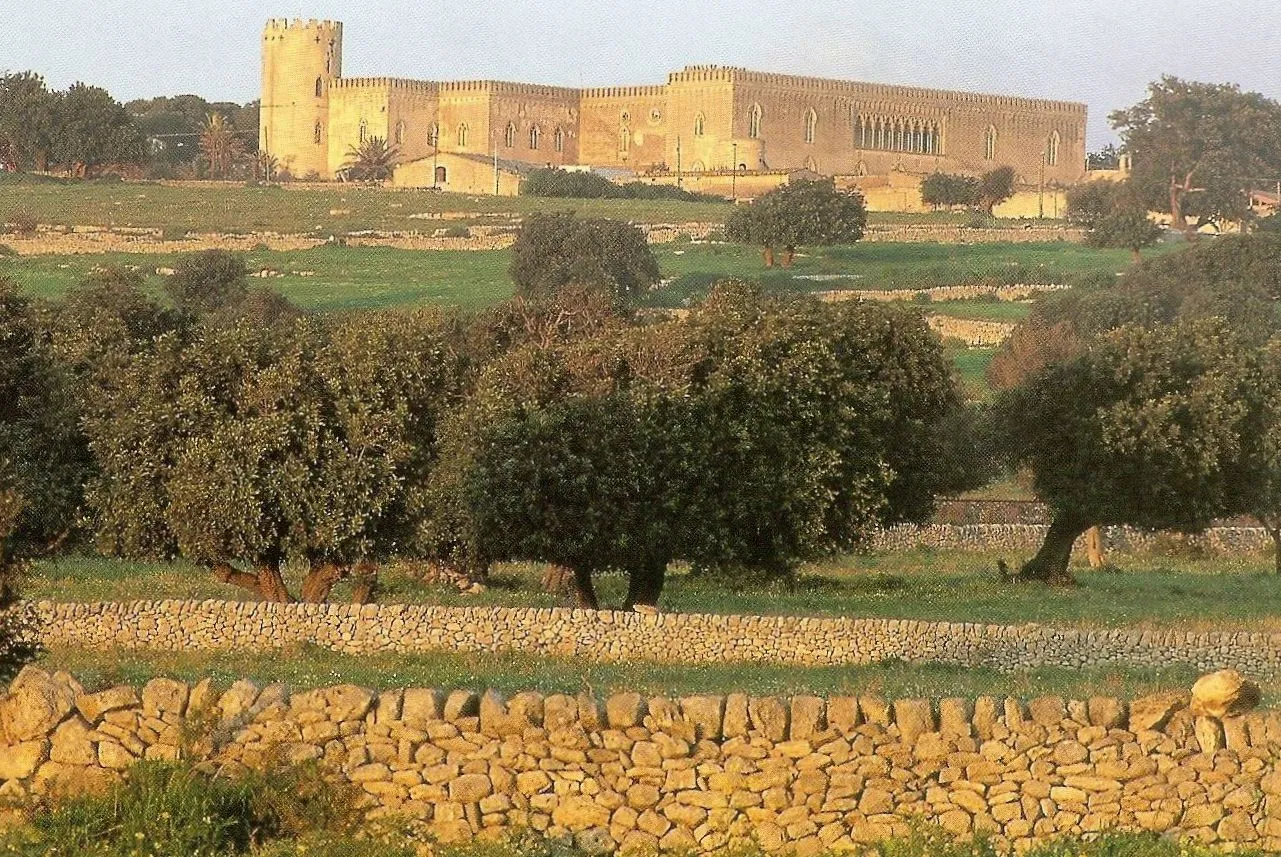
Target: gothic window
[(811, 122), (534, 134), (558, 140), (699, 122), (433, 136), (462, 136), (400, 133), (509, 138), (317, 133), (624, 140), (1052, 150), (364, 130), (697, 167), (320, 87), (989, 144), (811, 164), (754, 122)]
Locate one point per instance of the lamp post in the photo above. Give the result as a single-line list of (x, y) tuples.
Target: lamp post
[(435, 156), (733, 181)]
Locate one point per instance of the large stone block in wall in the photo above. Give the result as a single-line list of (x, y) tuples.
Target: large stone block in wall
[(36, 703)]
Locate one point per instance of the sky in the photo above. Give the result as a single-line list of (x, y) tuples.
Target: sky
[(1100, 52)]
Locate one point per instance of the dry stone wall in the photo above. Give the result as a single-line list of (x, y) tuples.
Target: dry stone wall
[(1221, 540), (621, 636), (703, 773)]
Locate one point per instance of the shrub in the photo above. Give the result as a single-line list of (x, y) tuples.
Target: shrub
[(554, 251), (588, 185), (172, 808), (7, 252), (207, 281), (172, 232), (946, 190)]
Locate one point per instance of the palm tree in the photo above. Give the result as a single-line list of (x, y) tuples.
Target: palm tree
[(220, 145), (373, 160), (266, 167)]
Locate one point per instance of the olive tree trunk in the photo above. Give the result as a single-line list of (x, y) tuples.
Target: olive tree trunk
[(1050, 565), (585, 589), (645, 587)]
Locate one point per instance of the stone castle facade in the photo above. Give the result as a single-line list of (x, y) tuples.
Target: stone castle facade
[(704, 119)]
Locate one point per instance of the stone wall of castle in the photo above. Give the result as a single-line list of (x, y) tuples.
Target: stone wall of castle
[(803, 775), (181, 626)]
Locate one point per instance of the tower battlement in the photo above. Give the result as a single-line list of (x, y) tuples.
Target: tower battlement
[(276, 25)]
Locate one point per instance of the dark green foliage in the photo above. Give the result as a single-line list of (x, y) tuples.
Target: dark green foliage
[(995, 187), (580, 184), (373, 160), (614, 452), (41, 465), (1107, 158), (945, 190), (797, 214), (1114, 215), (1196, 148), (207, 281), (556, 251), (93, 131), (27, 120), (1149, 427)]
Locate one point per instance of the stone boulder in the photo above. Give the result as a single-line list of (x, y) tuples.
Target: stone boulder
[(1225, 693), (35, 705), (1153, 712)]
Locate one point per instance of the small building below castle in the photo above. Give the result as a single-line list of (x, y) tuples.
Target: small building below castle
[(706, 121)]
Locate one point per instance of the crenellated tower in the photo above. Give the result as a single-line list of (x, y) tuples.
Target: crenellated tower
[(300, 62)]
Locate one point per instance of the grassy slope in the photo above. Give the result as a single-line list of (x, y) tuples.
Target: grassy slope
[(919, 584), (379, 277)]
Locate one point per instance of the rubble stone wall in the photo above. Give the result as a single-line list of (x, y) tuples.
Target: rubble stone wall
[(801, 775), (621, 636)]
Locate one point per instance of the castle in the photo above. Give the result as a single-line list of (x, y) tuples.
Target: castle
[(479, 136)]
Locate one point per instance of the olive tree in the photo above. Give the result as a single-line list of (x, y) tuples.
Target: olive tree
[(799, 213), (553, 252), (1152, 427), (614, 452)]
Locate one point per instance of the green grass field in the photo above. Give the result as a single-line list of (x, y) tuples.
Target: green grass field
[(960, 586), (369, 277), (308, 667)]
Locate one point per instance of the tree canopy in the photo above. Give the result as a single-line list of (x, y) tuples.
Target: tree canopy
[(797, 214), (554, 252), (1196, 148)]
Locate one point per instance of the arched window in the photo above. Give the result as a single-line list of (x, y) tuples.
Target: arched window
[(624, 140), (400, 133), (442, 177), (509, 138), (989, 144), (433, 135), (697, 167), (317, 133), (364, 130), (860, 133), (320, 87), (1052, 150), (699, 122), (534, 134), (811, 164), (462, 136), (811, 123), (754, 122), (558, 140)]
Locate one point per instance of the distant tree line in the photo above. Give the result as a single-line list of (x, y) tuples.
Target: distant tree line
[(84, 131), (582, 184)]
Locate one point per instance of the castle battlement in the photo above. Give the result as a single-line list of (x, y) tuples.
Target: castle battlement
[(625, 92), (429, 87), (281, 24)]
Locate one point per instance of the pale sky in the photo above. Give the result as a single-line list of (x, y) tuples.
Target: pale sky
[(1100, 52)]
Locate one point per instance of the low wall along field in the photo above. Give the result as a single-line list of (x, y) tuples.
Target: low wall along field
[(622, 636), (804, 774)]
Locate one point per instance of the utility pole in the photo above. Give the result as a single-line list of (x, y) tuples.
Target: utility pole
[(495, 166), (1041, 191), (733, 182), (435, 155)]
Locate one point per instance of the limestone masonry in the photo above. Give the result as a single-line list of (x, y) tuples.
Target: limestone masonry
[(701, 773), (704, 119), (620, 636)]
